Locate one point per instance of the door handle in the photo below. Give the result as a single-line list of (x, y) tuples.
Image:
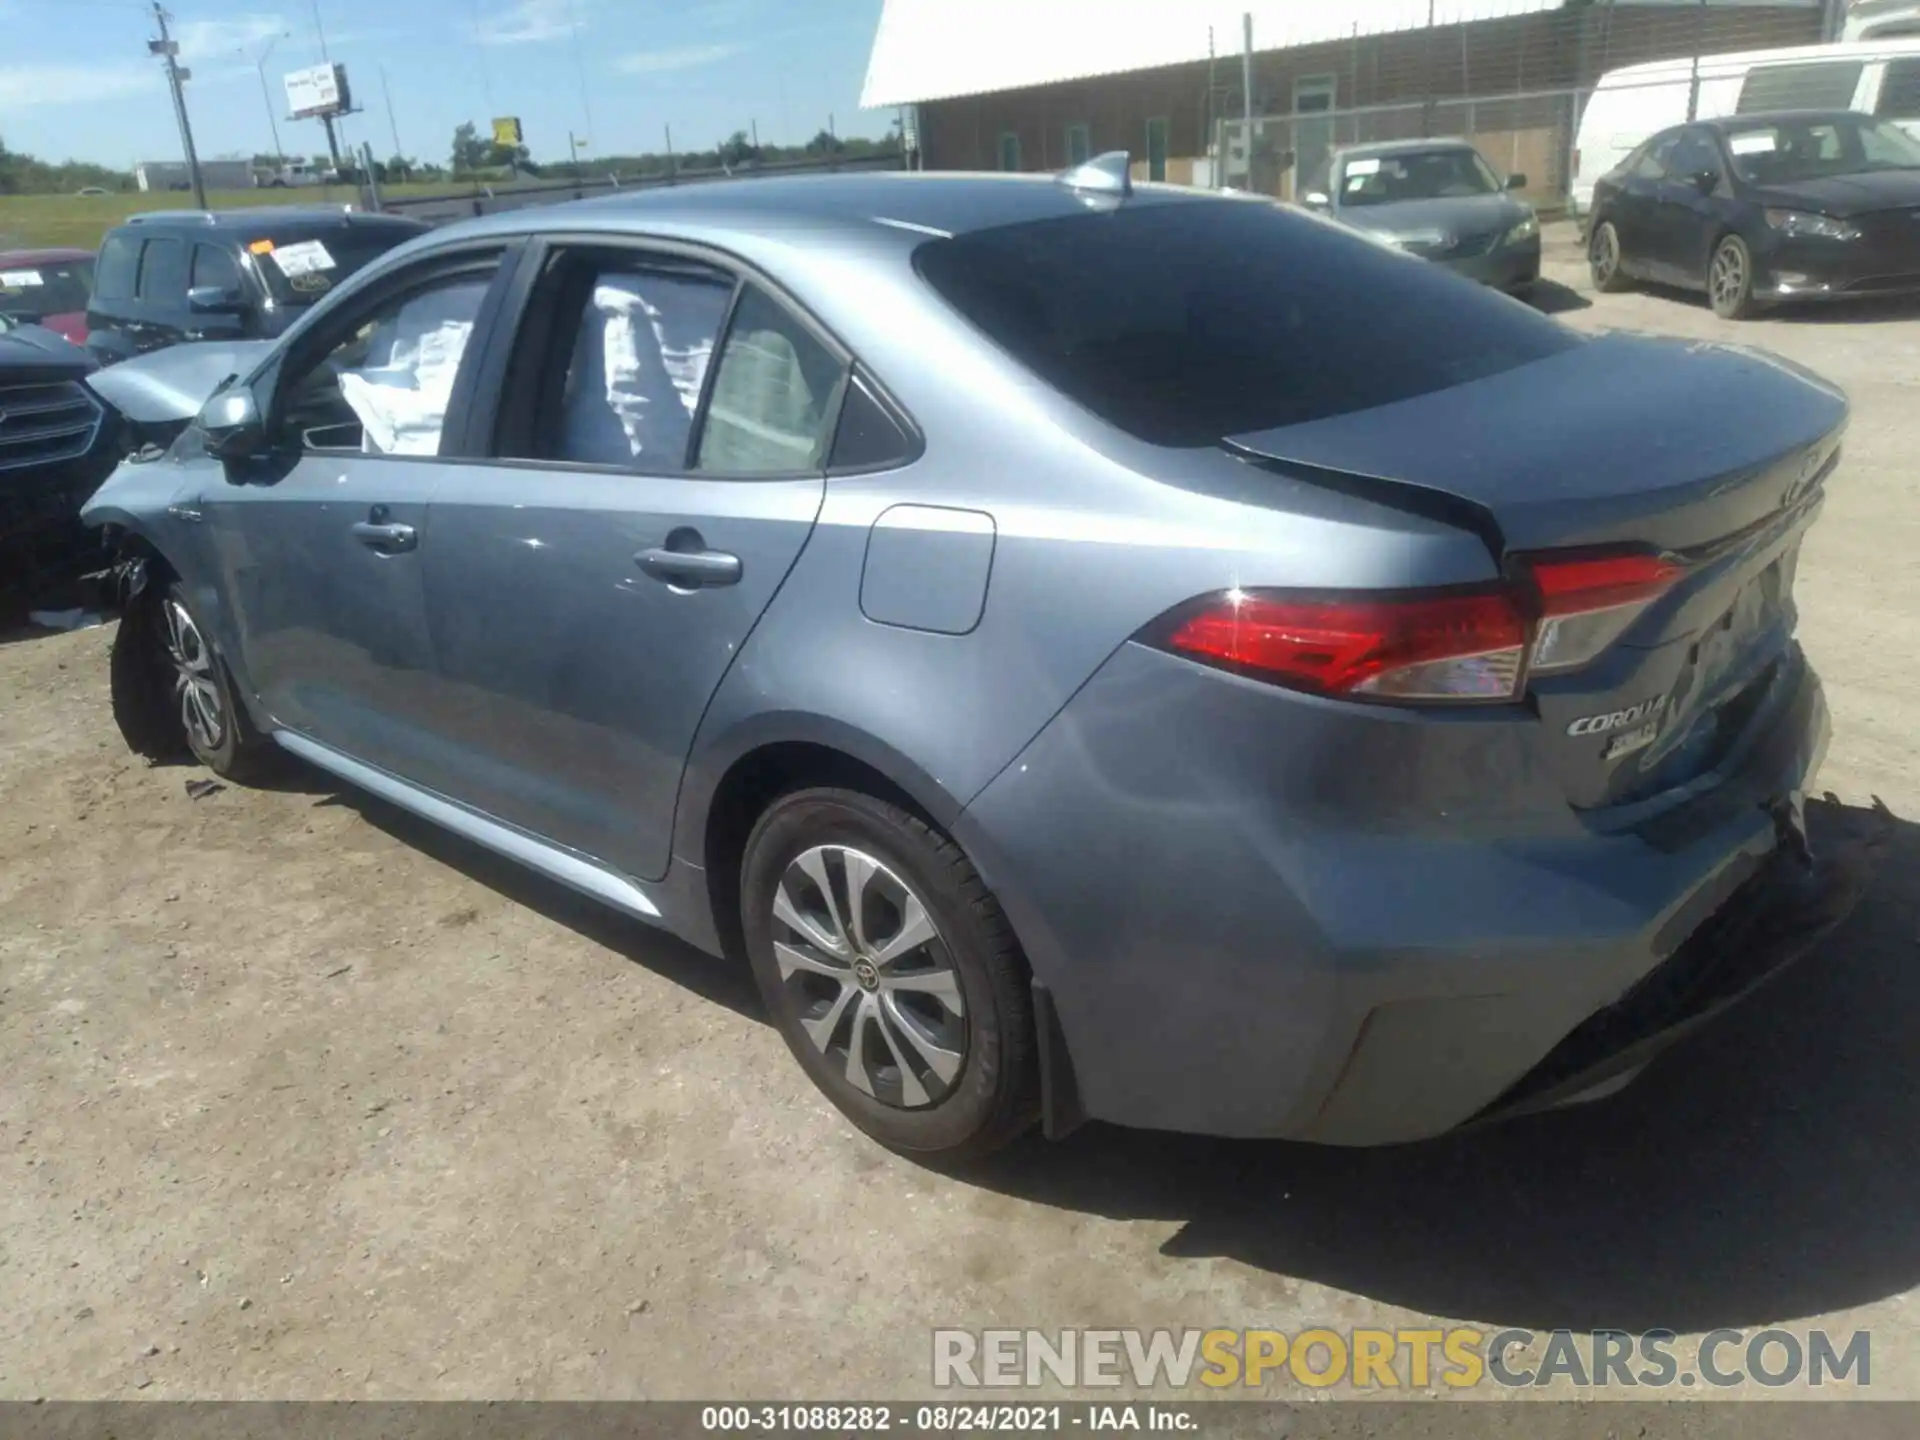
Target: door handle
[(690, 569), (388, 539)]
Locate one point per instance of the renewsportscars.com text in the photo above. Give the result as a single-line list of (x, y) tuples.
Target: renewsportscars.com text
[(1379, 1359)]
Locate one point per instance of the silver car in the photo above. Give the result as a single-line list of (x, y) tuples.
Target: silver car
[(1095, 651)]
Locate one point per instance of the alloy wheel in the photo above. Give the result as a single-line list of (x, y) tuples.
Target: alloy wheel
[(1729, 278), (202, 711), (1606, 254), (870, 977)]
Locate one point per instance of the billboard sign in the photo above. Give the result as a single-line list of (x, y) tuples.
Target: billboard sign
[(317, 90), (506, 131)]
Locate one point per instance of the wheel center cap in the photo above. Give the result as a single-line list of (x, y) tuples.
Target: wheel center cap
[(867, 976)]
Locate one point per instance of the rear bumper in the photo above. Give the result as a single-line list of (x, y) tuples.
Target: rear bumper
[(1262, 915)]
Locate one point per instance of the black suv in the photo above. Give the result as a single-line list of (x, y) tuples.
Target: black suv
[(57, 443), (225, 274)]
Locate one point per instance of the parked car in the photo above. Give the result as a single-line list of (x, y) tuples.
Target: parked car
[(1101, 652), (1875, 77), (1803, 206), (1439, 200), (177, 275), (57, 444), (298, 174), (47, 287)]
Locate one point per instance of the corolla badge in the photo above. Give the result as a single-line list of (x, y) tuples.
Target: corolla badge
[(1618, 719)]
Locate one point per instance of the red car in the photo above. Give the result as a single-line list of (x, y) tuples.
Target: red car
[(47, 287)]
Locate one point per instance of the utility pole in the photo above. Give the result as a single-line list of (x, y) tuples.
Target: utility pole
[(673, 165), (1246, 87), (1699, 37), (393, 124), (169, 50), (266, 98)]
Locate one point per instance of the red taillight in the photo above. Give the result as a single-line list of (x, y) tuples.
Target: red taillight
[(1477, 644), (1442, 646), (1588, 600)]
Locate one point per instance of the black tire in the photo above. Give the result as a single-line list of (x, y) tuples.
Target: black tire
[(993, 1096), (1730, 279), (226, 740), (1603, 259)]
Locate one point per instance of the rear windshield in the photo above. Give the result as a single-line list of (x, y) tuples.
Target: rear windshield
[(62, 287), (299, 268), (1185, 323)]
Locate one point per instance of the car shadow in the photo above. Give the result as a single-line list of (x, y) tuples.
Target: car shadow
[(1764, 1170), (1550, 297), (723, 982), (1886, 310)]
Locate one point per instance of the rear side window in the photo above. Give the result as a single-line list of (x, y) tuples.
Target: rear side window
[(1184, 323), (163, 270), (114, 273), (1824, 85), (1900, 91), (774, 397)]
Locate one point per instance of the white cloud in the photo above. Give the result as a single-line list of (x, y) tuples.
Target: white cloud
[(32, 87), (210, 39), (529, 22), (687, 57)]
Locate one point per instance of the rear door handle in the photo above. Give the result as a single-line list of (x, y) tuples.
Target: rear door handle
[(388, 539), (690, 569)]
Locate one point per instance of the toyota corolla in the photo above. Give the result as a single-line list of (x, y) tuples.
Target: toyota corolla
[(1084, 671)]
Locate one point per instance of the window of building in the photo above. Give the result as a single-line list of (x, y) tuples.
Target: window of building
[(1157, 148), (1010, 151), (1079, 144)]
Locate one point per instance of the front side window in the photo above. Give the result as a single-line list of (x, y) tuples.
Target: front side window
[(163, 270), (1652, 161), (774, 398), (215, 266), (1694, 154), (1185, 323), (384, 389)]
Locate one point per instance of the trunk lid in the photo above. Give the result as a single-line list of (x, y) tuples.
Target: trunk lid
[(1712, 455)]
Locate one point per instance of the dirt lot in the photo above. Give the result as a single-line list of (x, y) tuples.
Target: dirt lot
[(305, 1100)]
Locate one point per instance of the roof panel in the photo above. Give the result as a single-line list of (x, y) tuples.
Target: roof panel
[(936, 49)]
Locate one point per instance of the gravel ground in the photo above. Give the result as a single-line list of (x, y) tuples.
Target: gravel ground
[(305, 1100)]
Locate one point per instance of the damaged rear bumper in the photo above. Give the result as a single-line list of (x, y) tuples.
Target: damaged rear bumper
[(1807, 887)]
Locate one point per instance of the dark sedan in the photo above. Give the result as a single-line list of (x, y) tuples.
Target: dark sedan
[(1763, 208), (1439, 200)]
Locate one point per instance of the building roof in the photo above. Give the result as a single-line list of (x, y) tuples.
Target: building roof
[(937, 49)]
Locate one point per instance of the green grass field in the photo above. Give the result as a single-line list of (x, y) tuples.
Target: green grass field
[(34, 220)]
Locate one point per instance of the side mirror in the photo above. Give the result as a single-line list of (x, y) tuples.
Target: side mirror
[(232, 424), (1516, 181), (1707, 181), (1316, 200), (214, 300)]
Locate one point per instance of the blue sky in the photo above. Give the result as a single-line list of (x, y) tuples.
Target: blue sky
[(75, 81)]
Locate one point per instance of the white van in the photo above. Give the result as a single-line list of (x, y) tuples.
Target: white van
[(1880, 77)]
